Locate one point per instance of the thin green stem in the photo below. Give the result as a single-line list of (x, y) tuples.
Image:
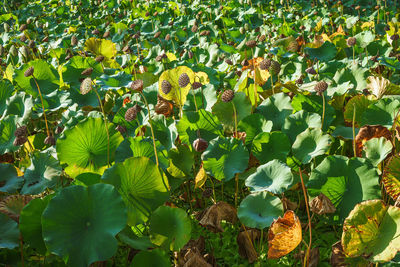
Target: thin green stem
[(354, 131), (41, 99), (106, 124), (306, 257), (235, 117), (323, 111)]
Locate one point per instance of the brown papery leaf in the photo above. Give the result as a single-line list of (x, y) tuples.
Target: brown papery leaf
[(245, 240), (322, 205), (368, 132), (211, 218), (288, 205), (284, 235), (337, 257)]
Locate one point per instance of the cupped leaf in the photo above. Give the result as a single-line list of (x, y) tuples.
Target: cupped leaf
[(76, 215), (155, 257), (101, 47), (298, 122), (276, 108), (377, 149), (9, 181), (259, 210), (84, 147), (356, 106), (6, 90), (324, 53), (274, 177), (142, 186), (269, 146), (170, 228), (382, 112), (7, 129), (225, 157), (9, 237), (346, 182), (253, 125), (309, 144), (372, 229)]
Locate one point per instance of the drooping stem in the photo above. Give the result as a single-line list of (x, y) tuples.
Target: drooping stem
[(151, 127), (106, 123), (306, 258), (44, 112), (323, 111), (354, 131)]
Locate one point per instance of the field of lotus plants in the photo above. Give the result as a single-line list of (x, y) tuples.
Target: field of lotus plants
[(200, 133)]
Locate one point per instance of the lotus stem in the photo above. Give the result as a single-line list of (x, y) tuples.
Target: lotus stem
[(151, 128), (306, 257), (106, 123), (354, 131), (22, 250), (41, 99), (354, 60), (255, 86), (323, 111), (194, 98), (236, 188)]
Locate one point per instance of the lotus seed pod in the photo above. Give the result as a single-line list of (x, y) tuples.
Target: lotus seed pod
[(196, 85), (262, 38), (265, 64), (311, 70), (194, 28), (275, 67), (50, 140), (99, 58), (137, 85), (299, 81), (165, 86), (228, 61), (19, 141), (21, 131), (200, 144), (87, 72), (121, 129), (106, 34), (251, 43), (205, 33), (131, 113), (74, 40), (227, 95), (29, 71), (86, 86), (22, 38), (6, 27), (321, 87), (157, 34), (168, 37), (59, 129), (351, 41), (25, 51), (183, 80)]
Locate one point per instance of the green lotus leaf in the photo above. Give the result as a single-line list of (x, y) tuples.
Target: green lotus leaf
[(356, 74), (43, 173), (377, 149), (84, 147), (225, 111), (46, 76), (323, 53), (164, 131), (30, 223), (87, 178), (20, 105), (276, 108), (298, 122), (142, 186), (309, 144), (6, 90), (71, 71), (182, 158), (9, 233), (346, 182), (7, 129), (225, 157), (170, 228), (177, 94), (9, 181), (382, 112), (372, 229), (134, 240), (274, 177), (259, 210), (115, 81), (364, 38), (203, 121), (80, 223), (253, 125), (360, 103), (269, 146), (156, 257)]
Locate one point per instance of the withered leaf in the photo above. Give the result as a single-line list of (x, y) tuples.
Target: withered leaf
[(245, 240), (13, 205), (211, 218), (322, 205), (368, 132), (288, 205)]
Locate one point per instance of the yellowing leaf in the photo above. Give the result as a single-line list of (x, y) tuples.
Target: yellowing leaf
[(171, 57), (261, 76), (319, 26), (102, 47), (369, 24), (202, 77), (201, 178)]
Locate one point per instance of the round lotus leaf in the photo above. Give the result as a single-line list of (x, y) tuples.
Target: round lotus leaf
[(9, 181), (225, 157), (170, 228), (259, 210), (6, 90), (30, 223), (323, 53), (309, 144), (269, 146), (141, 184), (300, 121), (276, 108), (9, 237), (382, 112), (391, 176), (274, 177), (84, 147), (372, 229), (377, 149), (154, 257), (80, 223), (7, 129), (253, 125), (346, 182)]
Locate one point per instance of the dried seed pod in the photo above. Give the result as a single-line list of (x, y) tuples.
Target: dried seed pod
[(200, 144), (50, 140), (227, 95), (311, 70), (19, 141), (251, 43), (106, 34), (29, 71), (157, 34), (351, 41), (59, 130), (166, 86), (244, 63), (194, 28), (22, 27), (137, 85), (99, 58), (299, 81), (87, 72), (183, 80), (265, 64), (196, 85), (275, 67), (322, 205), (21, 131), (86, 86), (228, 61), (262, 38), (131, 113), (121, 129), (168, 37), (74, 40), (22, 38), (321, 87)]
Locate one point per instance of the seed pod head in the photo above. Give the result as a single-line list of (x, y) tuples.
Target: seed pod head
[(87, 72), (351, 41), (196, 85), (227, 95), (21, 131), (50, 140), (299, 81), (121, 129), (22, 38), (200, 144), (137, 85), (194, 28), (394, 37), (19, 141), (311, 70), (167, 37), (275, 67), (22, 27), (86, 85), (132, 112), (157, 34), (265, 64), (166, 86), (29, 71), (262, 38), (228, 61), (251, 43), (99, 58), (74, 40), (205, 33), (183, 80), (321, 87), (106, 34), (245, 63)]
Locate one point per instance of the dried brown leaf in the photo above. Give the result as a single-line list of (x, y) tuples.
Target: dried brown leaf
[(245, 240), (211, 218), (368, 132), (322, 205)]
